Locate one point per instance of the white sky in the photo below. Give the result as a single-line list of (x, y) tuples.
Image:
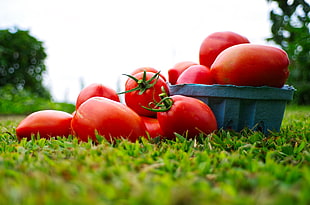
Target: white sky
[(98, 40)]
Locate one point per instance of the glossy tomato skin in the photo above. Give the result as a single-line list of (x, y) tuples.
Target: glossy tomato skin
[(96, 90), (177, 70), (135, 101), (251, 65), (148, 69), (196, 74), (46, 123), (215, 43), (152, 126), (108, 118), (187, 114)]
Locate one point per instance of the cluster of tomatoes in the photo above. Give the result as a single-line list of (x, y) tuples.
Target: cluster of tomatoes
[(149, 110)]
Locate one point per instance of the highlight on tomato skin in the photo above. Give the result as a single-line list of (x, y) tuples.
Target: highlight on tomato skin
[(96, 90), (46, 123), (152, 126), (196, 74), (217, 42), (148, 69), (108, 118), (251, 65), (177, 70), (185, 116)]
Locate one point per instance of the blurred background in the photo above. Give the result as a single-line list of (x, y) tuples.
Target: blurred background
[(77, 43)]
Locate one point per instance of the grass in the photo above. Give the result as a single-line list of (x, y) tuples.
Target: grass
[(24, 102), (222, 168)]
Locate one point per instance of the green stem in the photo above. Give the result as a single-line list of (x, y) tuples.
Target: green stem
[(163, 105), (143, 84)]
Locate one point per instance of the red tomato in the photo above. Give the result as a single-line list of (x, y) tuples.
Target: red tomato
[(251, 65), (46, 123), (177, 69), (148, 69), (196, 74), (96, 90), (215, 43), (145, 94), (108, 118), (189, 115), (152, 126)]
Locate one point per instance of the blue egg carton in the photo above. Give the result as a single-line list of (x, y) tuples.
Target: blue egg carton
[(239, 107)]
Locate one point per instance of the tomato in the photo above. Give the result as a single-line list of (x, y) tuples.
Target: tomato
[(143, 89), (148, 69), (152, 126), (196, 74), (46, 123), (96, 90), (186, 115), (177, 69), (106, 117), (215, 43), (251, 65)]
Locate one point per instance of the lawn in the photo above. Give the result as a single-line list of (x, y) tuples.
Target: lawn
[(221, 168)]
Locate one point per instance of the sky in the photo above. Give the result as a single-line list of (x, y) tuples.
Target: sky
[(96, 41)]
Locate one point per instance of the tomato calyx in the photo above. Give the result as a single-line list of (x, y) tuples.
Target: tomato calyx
[(163, 105), (143, 83)]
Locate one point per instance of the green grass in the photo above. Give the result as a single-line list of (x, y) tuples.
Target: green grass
[(24, 102), (222, 168)]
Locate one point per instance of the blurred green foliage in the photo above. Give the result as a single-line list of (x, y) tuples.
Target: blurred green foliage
[(22, 61), (14, 101), (291, 30)]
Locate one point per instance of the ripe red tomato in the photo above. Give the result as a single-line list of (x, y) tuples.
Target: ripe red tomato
[(148, 91), (46, 123), (189, 115), (96, 90), (108, 118), (251, 65), (196, 74), (148, 69), (215, 43), (152, 126), (177, 69)]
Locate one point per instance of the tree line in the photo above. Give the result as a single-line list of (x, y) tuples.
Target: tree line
[(291, 30), (22, 62)]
